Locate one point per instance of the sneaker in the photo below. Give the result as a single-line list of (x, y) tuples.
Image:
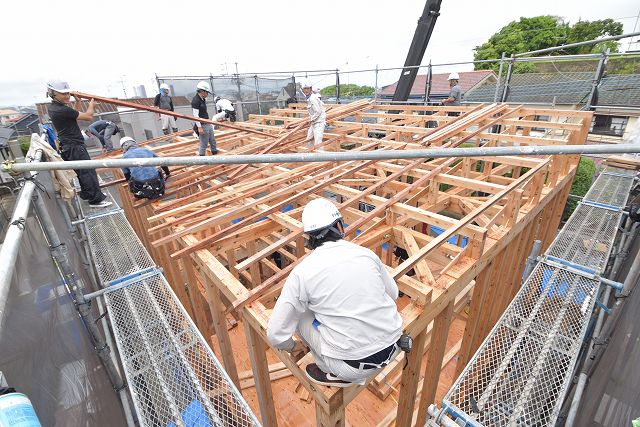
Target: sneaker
[(318, 376), (214, 152), (102, 204)]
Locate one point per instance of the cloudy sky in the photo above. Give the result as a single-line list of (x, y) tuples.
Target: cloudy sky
[(101, 47)]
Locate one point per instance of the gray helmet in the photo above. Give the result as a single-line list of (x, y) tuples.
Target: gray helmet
[(126, 143)]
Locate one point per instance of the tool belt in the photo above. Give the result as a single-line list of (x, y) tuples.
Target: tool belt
[(376, 360), (151, 189)]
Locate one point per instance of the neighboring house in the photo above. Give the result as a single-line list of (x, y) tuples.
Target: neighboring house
[(26, 124), (439, 85), (7, 114), (617, 98)]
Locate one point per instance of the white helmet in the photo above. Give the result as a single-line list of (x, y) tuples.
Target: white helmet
[(319, 214), (58, 85), (453, 76), (126, 143), (164, 86), (204, 86)]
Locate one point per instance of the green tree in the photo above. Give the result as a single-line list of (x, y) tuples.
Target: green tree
[(581, 183), (541, 32), (348, 90)]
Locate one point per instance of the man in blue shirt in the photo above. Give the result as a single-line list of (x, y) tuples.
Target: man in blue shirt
[(144, 181)]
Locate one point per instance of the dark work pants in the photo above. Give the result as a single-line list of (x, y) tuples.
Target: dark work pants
[(89, 185)]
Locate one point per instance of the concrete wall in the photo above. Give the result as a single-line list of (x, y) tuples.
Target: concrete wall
[(143, 125)]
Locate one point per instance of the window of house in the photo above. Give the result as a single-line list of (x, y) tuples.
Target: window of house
[(608, 125)]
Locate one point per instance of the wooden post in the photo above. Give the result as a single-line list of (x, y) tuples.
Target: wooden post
[(220, 326), (436, 354), (409, 381), (334, 417), (475, 313), (257, 350)]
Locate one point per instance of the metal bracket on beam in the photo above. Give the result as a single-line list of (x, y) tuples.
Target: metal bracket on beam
[(615, 285), (562, 264), (619, 175), (603, 307), (125, 281), (601, 205), (102, 214)]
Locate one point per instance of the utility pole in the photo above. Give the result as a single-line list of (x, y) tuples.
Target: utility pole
[(122, 81)]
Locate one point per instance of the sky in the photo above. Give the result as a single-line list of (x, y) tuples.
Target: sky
[(106, 48)]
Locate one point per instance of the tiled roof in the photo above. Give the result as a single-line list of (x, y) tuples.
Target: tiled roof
[(567, 88), (440, 84)]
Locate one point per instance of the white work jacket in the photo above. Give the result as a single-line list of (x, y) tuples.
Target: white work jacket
[(316, 109), (351, 295)]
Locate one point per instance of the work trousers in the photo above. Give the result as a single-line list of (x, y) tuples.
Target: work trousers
[(337, 367), (108, 133), (207, 137), (315, 133), (168, 121), (89, 185)]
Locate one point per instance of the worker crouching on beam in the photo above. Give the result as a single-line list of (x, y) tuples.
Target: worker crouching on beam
[(341, 301), (145, 182)]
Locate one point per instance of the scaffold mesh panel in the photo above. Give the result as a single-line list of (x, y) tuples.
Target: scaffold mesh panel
[(526, 362), (117, 250), (521, 373), (173, 374), (611, 189), (587, 237)]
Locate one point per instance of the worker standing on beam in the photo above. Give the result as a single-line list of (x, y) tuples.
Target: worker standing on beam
[(164, 102), (455, 94), (72, 147), (225, 109), (103, 130), (204, 130), (317, 116), (145, 182), (341, 301)]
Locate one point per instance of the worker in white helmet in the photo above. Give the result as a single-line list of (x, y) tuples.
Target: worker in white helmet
[(341, 301), (455, 94), (225, 109), (204, 130), (164, 102), (317, 116), (145, 182), (72, 147)]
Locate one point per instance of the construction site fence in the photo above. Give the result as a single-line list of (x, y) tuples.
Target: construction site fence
[(548, 80)]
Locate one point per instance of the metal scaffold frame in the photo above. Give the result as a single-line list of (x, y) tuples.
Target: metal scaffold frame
[(523, 370), (174, 376)]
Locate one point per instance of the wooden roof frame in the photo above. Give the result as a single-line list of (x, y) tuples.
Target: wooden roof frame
[(220, 226)]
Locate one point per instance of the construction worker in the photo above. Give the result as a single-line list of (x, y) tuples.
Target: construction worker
[(145, 182), (72, 147), (103, 130), (317, 116), (341, 301), (455, 94), (164, 102), (225, 109), (204, 130)]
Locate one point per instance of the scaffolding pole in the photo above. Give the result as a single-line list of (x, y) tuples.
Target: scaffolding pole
[(431, 153)]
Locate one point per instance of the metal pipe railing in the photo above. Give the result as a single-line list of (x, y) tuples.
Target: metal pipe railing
[(552, 49), (11, 244), (327, 156)]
